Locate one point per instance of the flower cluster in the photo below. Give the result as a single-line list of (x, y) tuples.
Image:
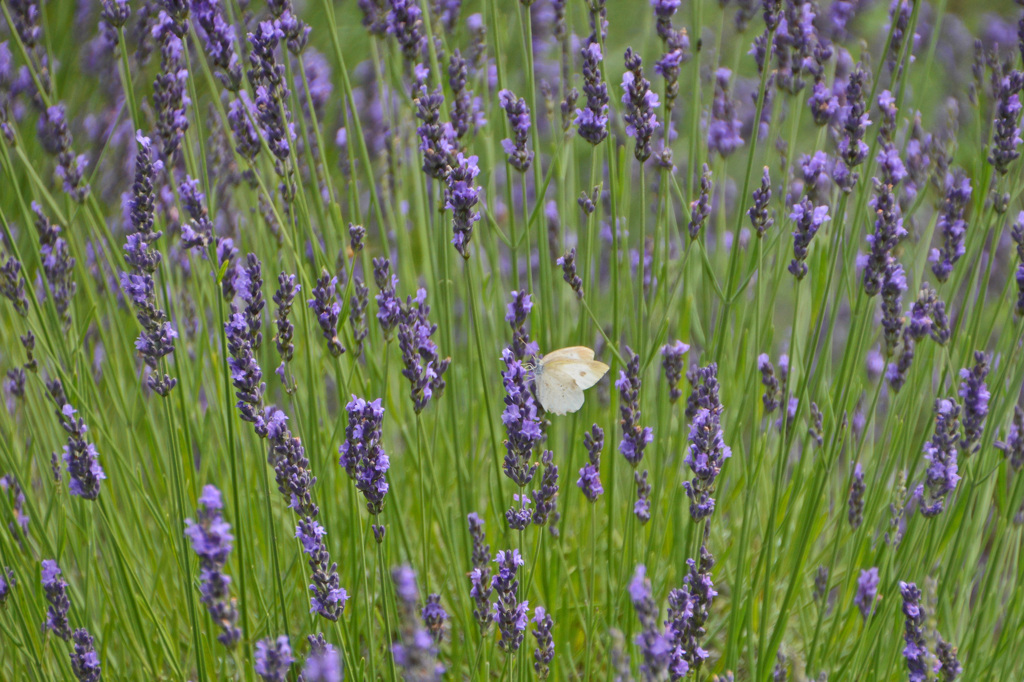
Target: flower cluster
[(438, 140), (854, 122), (461, 197), (705, 456), (81, 460), (480, 577), (867, 590), (592, 120), (197, 232), (16, 498), (156, 340), (389, 306), (273, 659), (219, 42), (363, 456), (287, 289), (1013, 447), (211, 540), (509, 612), (327, 310), (423, 366), (545, 651), (689, 608), (808, 219), (760, 216), (170, 98), (415, 651), (975, 396), (357, 314), (672, 364), (940, 452), (640, 102), (855, 503), (55, 138), (323, 663), (635, 437), (85, 662), (700, 208), (546, 497), (916, 651), (1006, 124), (724, 127), (655, 647), (57, 265), (56, 589), (951, 225), (569, 274), (518, 113)]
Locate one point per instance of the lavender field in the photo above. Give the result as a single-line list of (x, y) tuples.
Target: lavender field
[(511, 340)]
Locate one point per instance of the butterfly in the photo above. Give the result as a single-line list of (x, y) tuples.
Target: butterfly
[(562, 375)]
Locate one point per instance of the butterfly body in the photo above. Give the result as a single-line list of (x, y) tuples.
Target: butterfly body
[(562, 375)]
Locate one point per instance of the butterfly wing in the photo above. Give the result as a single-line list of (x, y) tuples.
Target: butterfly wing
[(570, 353), (557, 391), (585, 373)]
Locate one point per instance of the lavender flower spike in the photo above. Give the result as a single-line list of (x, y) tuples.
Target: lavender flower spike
[(211, 540), (273, 659), (592, 120), (363, 456), (672, 363), (323, 663), (80, 457), (518, 113), (415, 651), (654, 646), (951, 225), (867, 590), (569, 274), (509, 612), (1013, 447), (1006, 134), (461, 197), (85, 662), (707, 452), (56, 594), (545, 651), (635, 438), (480, 577), (809, 219), (941, 477), (724, 127), (327, 310), (640, 102), (916, 650), (975, 395), (423, 365)]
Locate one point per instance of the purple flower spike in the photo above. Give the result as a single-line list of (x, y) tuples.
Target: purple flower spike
[(323, 663), (363, 456), (81, 460), (941, 477), (867, 590), (640, 102), (56, 594), (975, 396), (590, 475), (509, 612), (522, 426), (760, 216), (273, 659), (635, 437), (855, 504), (916, 650), (1013, 447), (415, 651), (546, 498), (480, 577), (325, 306), (948, 665), (518, 113), (700, 208), (85, 662), (461, 197), (655, 647), (672, 363), (592, 120), (423, 366), (705, 457), (724, 127), (569, 274), (211, 539), (951, 225), (1006, 138), (809, 219), (545, 651)]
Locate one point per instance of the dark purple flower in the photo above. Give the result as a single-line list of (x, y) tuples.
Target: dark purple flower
[(389, 306), (867, 590), (57, 265), (951, 225), (423, 366), (704, 382), (328, 598), (545, 651), (518, 113), (808, 219), (16, 498), (405, 23), (940, 452), (590, 475), (197, 232), (12, 285), (706, 453), (246, 374), (273, 659), (672, 363), (700, 208), (854, 122), (522, 425), (323, 663), (466, 109), (461, 197), (357, 313), (241, 113), (438, 141), (85, 662), (170, 98), (640, 102), (1006, 124), (916, 650), (283, 298), (80, 457), (249, 284), (211, 539), (772, 391), (823, 103), (889, 230), (899, 17), (363, 456), (569, 274), (724, 126), (689, 608), (56, 594), (894, 284), (760, 216), (55, 138), (435, 617), (948, 664), (855, 504), (480, 577), (415, 651), (592, 120), (327, 310), (655, 647), (635, 438), (219, 42), (642, 505), (509, 612), (975, 396), (1013, 446)]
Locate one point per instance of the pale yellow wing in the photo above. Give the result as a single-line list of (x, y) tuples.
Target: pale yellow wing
[(569, 353), (585, 373), (557, 391)]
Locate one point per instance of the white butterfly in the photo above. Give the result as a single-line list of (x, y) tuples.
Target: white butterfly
[(562, 375)]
